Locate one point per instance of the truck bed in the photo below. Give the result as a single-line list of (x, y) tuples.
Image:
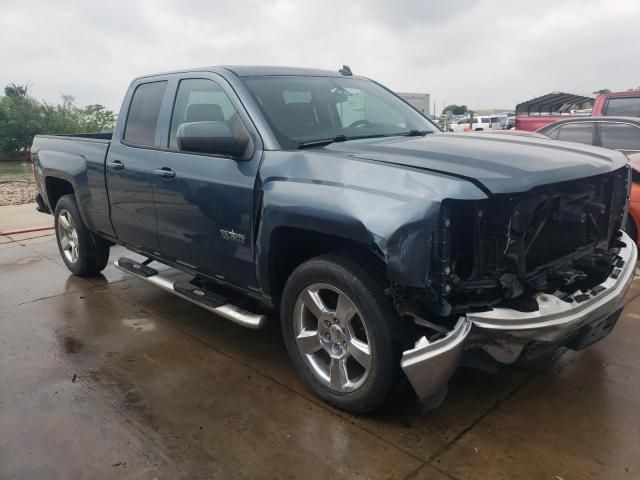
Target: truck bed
[(78, 159), (100, 137)]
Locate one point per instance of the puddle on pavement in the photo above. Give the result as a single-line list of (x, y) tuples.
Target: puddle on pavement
[(140, 324), (71, 344), (23, 261), (29, 260)]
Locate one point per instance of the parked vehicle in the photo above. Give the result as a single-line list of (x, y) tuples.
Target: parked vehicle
[(633, 219), (617, 133), (480, 123), (514, 133), (626, 104), (387, 247), (507, 122), (617, 104)]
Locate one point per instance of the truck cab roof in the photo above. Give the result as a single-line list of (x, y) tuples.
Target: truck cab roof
[(254, 71)]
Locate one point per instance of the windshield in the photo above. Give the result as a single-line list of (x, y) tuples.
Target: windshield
[(303, 110)]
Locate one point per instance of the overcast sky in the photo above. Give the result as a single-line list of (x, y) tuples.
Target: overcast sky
[(479, 53)]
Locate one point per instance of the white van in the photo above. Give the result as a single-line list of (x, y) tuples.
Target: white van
[(480, 123)]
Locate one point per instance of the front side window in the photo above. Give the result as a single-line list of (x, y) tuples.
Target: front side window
[(620, 136), (202, 100), (142, 118), (577, 132), (304, 109), (623, 107)]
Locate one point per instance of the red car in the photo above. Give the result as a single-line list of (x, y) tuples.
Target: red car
[(539, 112)]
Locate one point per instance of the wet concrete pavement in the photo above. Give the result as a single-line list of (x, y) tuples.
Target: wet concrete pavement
[(109, 377)]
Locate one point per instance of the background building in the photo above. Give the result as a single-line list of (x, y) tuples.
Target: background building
[(420, 101)]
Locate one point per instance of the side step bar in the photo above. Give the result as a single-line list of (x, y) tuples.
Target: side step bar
[(207, 300)]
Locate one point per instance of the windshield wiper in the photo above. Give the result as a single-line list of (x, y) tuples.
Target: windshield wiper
[(322, 143), (343, 138), (416, 133)]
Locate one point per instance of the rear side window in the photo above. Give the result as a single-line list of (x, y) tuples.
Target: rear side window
[(577, 132), (623, 107), (142, 119), (620, 136)]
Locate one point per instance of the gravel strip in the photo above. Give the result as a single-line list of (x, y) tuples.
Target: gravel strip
[(17, 193)]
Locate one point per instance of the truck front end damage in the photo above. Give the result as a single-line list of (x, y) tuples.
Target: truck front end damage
[(518, 275)]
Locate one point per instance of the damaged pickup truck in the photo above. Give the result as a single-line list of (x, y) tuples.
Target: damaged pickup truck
[(390, 250)]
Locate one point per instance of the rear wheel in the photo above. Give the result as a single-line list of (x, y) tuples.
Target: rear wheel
[(340, 332), (81, 251)]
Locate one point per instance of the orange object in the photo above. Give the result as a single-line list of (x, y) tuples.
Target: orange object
[(634, 196), (26, 230), (634, 207)]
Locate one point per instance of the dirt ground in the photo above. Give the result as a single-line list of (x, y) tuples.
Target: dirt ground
[(109, 377), (17, 193)]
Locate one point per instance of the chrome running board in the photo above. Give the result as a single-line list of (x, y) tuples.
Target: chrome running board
[(226, 310)]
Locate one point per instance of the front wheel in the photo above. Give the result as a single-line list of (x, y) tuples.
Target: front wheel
[(340, 331), (82, 252)]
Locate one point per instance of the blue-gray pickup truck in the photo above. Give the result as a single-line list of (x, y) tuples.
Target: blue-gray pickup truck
[(392, 252)]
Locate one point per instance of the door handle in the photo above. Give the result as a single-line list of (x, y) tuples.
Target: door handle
[(164, 172), (116, 164)]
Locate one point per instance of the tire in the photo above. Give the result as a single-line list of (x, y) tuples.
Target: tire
[(335, 364), (83, 253)]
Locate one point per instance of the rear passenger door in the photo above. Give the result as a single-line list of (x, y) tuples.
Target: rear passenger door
[(129, 167), (205, 203), (620, 136)]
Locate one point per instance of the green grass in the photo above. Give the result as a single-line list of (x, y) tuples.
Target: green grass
[(15, 171)]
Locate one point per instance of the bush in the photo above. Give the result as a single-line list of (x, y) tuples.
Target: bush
[(22, 117)]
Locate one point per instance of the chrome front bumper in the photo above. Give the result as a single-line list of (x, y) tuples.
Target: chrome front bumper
[(503, 333)]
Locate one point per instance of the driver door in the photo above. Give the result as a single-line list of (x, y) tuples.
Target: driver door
[(205, 203)]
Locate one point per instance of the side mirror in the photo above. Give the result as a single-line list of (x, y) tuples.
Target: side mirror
[(215, 138)]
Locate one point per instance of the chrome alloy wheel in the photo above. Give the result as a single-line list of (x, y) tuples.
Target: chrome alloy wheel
[(332, 337), (68, 236)]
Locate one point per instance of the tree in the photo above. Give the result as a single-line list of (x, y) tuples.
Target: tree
[(19, 119), (96, 118), (17, 91), (456, 109), (604, 90), (22, 117)]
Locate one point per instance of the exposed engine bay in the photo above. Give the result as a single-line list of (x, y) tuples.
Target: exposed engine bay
[(504, 250)]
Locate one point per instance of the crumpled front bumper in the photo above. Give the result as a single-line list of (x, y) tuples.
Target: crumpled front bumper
[(504, 333)]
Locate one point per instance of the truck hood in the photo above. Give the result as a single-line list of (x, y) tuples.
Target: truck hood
[(500, 164)]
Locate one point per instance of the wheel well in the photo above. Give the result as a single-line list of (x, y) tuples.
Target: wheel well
[(291, 247), (56, 188)]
